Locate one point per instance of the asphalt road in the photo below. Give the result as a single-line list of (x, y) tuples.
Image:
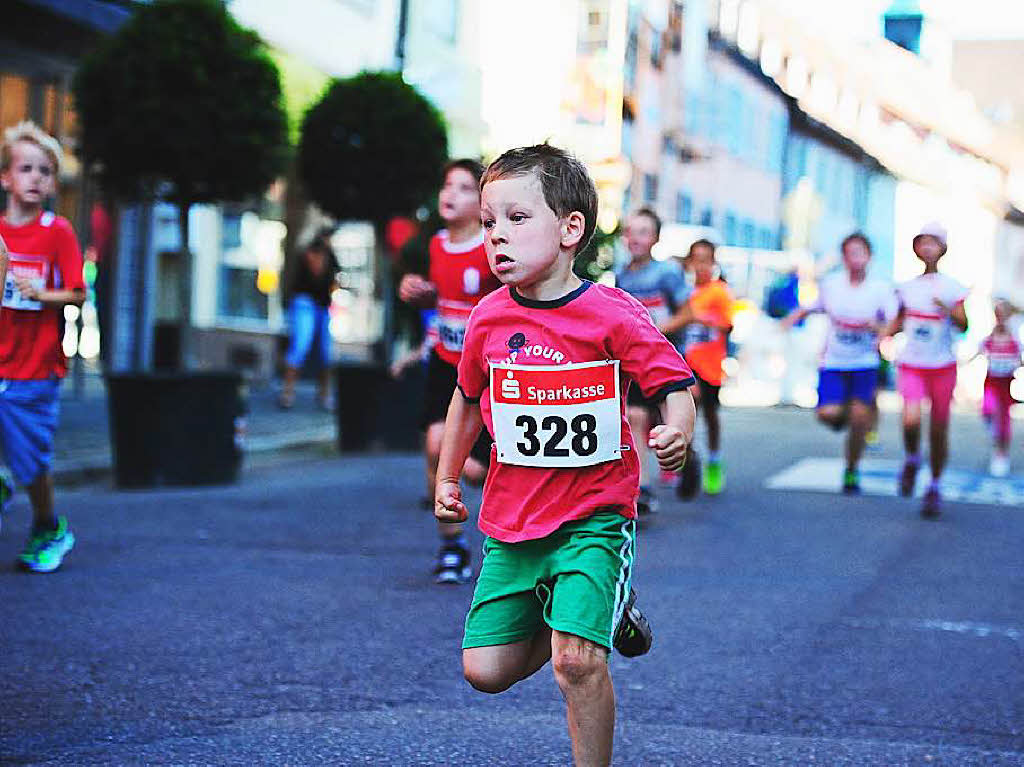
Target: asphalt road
[(291, 619)]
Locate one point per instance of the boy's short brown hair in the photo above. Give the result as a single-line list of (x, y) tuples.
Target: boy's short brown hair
[(32, 133), (468, 164), (703, 243), (654, 217), (566, 184), (855, 236)]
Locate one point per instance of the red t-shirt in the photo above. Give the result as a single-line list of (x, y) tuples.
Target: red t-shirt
[(594, 324), (462, 277), (46, 250)]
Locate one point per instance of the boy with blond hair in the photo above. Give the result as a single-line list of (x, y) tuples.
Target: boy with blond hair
[(546, 364), (44, 275)]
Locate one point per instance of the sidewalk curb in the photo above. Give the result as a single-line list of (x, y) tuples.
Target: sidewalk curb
[(88, 470)]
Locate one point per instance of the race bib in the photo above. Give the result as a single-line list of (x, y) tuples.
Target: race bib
[(697, 334), (25, 267), (451, 324), (926, 336), (1003, 365), (851, 342), (564, 416), (657, 308)]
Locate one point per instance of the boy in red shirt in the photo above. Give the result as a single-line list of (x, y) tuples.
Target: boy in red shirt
[(44, 275), (459, 278), (546, 365)]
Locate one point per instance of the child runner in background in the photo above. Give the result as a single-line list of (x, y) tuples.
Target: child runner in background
[(45, 275), (458, 278), (704, 347), (546, 364), (931, 306), (661, 287), (1002, 350), (859, 309)]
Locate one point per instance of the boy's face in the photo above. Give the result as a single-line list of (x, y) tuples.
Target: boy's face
[(30, 177), (856, 256), (928, 248), (702, 260), (459, 198), (522, 236), (640, 236)]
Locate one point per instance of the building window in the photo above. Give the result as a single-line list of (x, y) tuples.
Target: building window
[(749, 234), (730, 229), (707, 218), (767, 238), (684, 208), (650, 188)]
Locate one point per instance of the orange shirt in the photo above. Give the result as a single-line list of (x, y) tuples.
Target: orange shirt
[(704, 347)]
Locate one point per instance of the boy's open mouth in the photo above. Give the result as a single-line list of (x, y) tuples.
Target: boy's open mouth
[(501, 258)]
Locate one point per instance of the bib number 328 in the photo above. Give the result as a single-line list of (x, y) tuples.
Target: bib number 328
[(556, 416)]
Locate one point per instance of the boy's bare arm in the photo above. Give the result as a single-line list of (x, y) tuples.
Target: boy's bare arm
[(683, 317), (56, 298), (672, 437), (461, 428)]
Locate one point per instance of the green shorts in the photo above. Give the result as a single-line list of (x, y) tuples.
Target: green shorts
[(575, 580)]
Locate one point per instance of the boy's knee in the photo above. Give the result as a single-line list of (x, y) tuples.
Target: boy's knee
[(575, 667), (489, 680)]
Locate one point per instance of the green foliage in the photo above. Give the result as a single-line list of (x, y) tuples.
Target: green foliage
[(372, 148), (596, 258), (182, 95)]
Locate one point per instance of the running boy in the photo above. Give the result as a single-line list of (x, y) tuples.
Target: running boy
[(931, 305), (45, 274), (546, 364), (1002, 350), (704, 348), (459, 278), (858, 309), (661, 288)]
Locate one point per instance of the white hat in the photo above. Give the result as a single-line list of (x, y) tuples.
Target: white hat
[(936, 230)]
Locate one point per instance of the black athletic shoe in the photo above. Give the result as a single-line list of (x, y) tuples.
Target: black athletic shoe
[(908, 478), (453, 564), (633, 635), (690, 477), (646, 503), (931, 506)]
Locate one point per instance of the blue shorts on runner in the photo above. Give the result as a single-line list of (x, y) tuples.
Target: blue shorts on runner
[(28, 421), (836, 387)]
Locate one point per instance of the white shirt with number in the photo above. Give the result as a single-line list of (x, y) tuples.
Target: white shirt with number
[(928, 331)]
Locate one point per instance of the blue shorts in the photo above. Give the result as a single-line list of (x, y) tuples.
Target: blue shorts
[(836, 387), (28, 420)]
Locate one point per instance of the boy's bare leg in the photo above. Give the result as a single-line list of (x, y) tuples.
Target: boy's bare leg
[(640, 425), (912, 427), (40, 493), (938, 433), (291, 375), (714, 429), (495, 668), (833, 416), (860, 423), (581, 670)]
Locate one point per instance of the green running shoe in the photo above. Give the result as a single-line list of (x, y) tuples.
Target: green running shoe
[(714, 477), (45, 550), (851, 482)]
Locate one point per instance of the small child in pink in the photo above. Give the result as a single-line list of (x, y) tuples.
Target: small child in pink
[(931, 306), (1002, 350)]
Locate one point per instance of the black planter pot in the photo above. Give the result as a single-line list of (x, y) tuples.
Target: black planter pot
[(176, 428), (376, 411)]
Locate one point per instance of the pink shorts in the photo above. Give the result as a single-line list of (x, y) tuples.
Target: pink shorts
[(934, 384)]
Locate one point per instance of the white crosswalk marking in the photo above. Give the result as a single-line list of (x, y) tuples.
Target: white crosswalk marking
[(880, 477)]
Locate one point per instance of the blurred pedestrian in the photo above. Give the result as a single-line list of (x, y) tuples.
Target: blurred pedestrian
[(704, 348), (661, 287), (1002, 351), (459, 278), (44, 275), (541, 367), (859, 310), (99, 253), (931, 306), (312, 281)]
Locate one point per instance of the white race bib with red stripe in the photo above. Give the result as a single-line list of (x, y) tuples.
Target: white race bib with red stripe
[(929, 337), (452, 317), (32, 268), (560, 416)]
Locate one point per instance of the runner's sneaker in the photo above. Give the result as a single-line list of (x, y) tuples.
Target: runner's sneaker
[(999, 466), (453, 564), (714, 478), (931, 506), (908, 477), (851, 482), (646, 503), (689, 477), (45, 550), (633, 635)]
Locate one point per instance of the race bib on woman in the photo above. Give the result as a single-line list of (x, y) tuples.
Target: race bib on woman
[(560, 416)]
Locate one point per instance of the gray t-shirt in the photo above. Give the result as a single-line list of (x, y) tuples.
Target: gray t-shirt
[(658, 285)]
